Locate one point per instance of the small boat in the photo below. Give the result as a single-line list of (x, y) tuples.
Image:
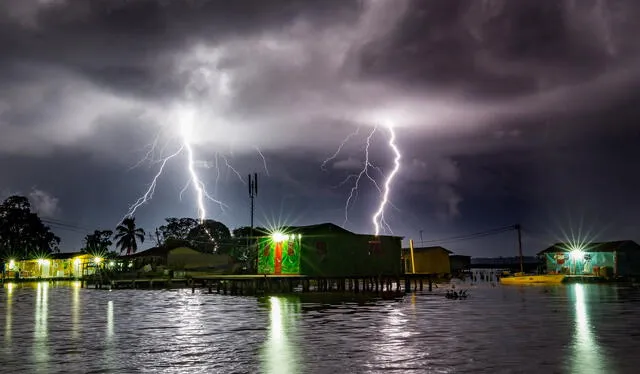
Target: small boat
[(520, 278)]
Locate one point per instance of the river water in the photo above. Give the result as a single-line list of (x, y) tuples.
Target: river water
[(63, 328)]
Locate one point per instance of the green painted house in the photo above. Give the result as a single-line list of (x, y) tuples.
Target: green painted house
[(615, 258), (328, 250)]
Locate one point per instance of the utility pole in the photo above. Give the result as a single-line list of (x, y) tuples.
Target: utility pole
[(253, 192), (517, 227)]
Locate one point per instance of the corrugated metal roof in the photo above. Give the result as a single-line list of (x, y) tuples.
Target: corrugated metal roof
[(328, 226), (151, 252), (325, 227)]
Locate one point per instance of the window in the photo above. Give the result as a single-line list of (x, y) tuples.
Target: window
[(321, 248), (375, 247)]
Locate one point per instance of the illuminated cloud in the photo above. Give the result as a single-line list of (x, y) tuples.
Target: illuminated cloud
[(301, 75), (456, 78), (43, 203)]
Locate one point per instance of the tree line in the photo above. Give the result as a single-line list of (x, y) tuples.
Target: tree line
[(23, 234)]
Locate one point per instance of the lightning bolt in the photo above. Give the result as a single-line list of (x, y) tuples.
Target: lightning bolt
[(264, 161), (185, 122), (152, 186), (353, 193), (378, 217), (337, 152), (228, 165), (186, 128)]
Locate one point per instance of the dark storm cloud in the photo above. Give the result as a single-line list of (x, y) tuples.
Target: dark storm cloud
[(464, 82), (124, 44), (501, 48)]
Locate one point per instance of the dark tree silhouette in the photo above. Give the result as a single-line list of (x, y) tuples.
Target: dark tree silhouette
[(98, 243), (177, 228), (127, 236), (22, 232), (210, 236), (244, 248)]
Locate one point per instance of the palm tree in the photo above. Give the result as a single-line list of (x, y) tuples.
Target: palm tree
[(127, 235)]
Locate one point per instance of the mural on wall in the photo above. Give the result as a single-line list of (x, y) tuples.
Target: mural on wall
[(579, 262), (279, 254), (266, 257)]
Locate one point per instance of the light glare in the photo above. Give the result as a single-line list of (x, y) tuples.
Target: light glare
[(577, 254), (278, 237)]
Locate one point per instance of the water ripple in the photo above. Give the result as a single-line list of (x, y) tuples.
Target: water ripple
[(573, 329)]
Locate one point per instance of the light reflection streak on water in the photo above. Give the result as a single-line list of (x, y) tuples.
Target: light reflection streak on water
[(8, 326), (279, 355), (110, 349), (110, 321), (75, 310), (40, 348), (587, 354), (395, 347)]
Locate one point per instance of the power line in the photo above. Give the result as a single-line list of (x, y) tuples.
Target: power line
[(475, 235), (65, 226), (53, 221)]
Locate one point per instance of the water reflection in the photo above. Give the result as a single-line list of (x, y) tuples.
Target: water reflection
[(279, 354), (110, 320), (8, 322), (40, 347), (586, 351), (572, 328), (397, 344), (75, 309)]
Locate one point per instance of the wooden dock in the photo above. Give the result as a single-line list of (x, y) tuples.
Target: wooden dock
[(264, 284)]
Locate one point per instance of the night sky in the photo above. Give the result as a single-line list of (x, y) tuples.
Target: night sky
[(505, 112)]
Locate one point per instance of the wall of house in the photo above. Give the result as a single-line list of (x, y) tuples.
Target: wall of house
[(184, 258), (343, 255), (326, 254), (48, 268), (435, 261), (589, 263), (288, 263), (628, 262), (459, 263)]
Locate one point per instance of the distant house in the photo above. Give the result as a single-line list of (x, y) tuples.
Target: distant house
[(55, 265), (530, 263), (616, 258), (428, 260), (181, 258), (328, 250), (459, 263)]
